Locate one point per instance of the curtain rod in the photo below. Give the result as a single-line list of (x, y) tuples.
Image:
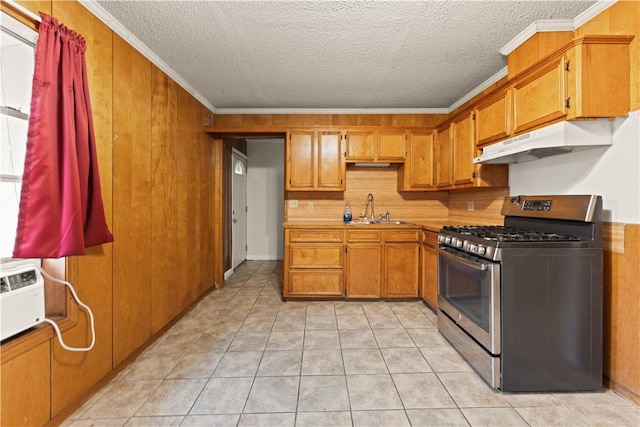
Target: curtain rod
[(23, 10)]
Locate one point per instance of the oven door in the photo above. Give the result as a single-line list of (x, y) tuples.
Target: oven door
[(469, 293)]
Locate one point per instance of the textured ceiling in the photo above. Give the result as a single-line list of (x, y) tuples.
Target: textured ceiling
[(334, 54)]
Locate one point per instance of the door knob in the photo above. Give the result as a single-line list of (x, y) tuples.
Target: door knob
[(235, 219)]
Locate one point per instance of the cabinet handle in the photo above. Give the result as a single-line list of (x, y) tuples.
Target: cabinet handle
[(567, 102), (567, 66)]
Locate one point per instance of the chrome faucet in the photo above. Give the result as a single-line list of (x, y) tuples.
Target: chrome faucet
[(369, 200)]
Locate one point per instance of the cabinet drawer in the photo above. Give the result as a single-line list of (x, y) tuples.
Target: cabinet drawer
[(364, 236), (318, 256), (310, 235), (402, 236), (315, 283), (430, 238)]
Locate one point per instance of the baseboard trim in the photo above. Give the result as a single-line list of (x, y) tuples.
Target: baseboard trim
[(264, 258), (228, 273)]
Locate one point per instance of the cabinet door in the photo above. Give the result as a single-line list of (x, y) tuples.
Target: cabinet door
[(444, 163), (463, 151), (401, 270), (598, 79), (429, 275), (541, 97), (363, 270), (360, 146), (493, 119), (417, 172), (300, 162), (391, 145), (331, 166)]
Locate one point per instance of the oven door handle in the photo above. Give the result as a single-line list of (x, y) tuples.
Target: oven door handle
[(468, 263)]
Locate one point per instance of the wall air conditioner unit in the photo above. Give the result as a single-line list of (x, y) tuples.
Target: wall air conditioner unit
[(21, 298)]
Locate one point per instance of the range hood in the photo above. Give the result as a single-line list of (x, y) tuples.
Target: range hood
[(558, 138)]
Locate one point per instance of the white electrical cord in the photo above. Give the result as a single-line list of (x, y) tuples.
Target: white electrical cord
[(81, 304)]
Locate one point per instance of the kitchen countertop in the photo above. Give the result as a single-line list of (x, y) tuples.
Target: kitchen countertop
[(426, 225)]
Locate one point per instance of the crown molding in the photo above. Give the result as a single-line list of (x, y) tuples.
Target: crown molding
[(482, 86), (220, 111), (536, 27), (598, 7), (119, 29), (543, 26)]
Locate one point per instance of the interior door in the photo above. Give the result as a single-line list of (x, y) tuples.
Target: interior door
[(239, 208)]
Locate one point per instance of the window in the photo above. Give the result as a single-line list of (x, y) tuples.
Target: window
[(17, 46), (239, 169)]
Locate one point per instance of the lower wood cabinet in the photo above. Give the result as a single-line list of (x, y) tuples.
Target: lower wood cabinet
[(429, 269), (313, 266), (363, 263), (401, 264)]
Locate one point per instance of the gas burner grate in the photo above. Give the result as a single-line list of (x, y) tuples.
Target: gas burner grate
[(501, 233)]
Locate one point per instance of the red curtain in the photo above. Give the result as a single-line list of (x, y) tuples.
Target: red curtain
[(61, 211)]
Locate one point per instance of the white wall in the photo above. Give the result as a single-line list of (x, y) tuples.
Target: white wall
[(265, 199), (612, 172)]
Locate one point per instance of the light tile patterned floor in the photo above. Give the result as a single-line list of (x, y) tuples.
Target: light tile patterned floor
[(242, 357)]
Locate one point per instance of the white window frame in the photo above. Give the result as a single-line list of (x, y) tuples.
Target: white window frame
[(29, 36)]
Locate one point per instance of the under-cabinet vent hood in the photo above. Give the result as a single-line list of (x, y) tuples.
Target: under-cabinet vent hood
[(559, 138), (372, 164)]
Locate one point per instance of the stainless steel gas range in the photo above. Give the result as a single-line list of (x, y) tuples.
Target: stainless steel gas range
[(522, 302)]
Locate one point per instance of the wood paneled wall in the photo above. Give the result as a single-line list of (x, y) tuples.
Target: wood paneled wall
[(164, 196), (285, 120), (445, 207), (92, 274), (382, 183), (622, 312), (487, 204), (131, 199), (158, 182)]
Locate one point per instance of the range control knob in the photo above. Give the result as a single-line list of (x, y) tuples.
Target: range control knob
[(473, 248), (447, 240), (482, 250)]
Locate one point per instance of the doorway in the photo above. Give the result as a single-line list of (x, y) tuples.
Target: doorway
[(239, 208)]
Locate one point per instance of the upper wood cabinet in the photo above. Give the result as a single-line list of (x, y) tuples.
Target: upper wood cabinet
[(455, 150), (391, 145), (315, 161), (444, 164), (540, 97), (464, 150), (588, 78), (417, 172), (598, 77), (373, 145), (493, 118)]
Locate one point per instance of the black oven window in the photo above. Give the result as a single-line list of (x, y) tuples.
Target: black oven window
[(468, 290)]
